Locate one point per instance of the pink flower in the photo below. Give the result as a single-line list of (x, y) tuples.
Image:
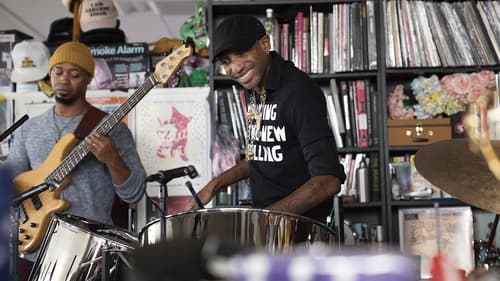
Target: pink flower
[(399, 93), (468, 87), (457, 85)]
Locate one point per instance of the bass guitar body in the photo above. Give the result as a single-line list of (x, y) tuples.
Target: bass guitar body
[(36, 212)]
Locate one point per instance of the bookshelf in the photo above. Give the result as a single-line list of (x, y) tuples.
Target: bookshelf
[(382, 211), (391, 74)]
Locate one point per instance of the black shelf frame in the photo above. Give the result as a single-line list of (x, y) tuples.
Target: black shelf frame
[(416, 71), (377, 204), (358, 149), (326, 76), (270, 3), (404, 148), (443, 202)]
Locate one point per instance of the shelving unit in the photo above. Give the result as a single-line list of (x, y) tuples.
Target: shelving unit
[(383, 212), (373, 213)]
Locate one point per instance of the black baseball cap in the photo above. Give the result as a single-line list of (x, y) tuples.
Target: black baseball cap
[(238, 32)]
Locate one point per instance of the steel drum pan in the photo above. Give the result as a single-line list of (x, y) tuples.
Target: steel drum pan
[(242, 227), (73, 248)]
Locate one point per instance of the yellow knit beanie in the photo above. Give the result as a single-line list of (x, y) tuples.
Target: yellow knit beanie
[(75, 53)]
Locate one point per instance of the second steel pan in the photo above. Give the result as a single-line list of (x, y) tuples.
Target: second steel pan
[(241, 227)]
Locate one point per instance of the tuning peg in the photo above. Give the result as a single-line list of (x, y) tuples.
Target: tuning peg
[(189, 42)]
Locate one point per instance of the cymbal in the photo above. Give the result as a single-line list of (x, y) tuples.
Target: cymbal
[(454, 168)]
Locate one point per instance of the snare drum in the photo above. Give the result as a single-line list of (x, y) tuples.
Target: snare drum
[(241, 227), (73, 246)]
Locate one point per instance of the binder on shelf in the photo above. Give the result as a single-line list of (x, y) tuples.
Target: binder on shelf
[(352, 113), (326, 44), (360, 113), (332, 118), (320, 42), (299, 33), (371, 35), (313, 15), (337, 105), (344, 90), (284, 41), (375, 112), (306, 46)]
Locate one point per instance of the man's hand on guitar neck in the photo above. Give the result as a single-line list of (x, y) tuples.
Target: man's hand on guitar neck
[(104, 149)]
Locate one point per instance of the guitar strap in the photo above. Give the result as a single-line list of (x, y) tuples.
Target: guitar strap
[(89, 121)]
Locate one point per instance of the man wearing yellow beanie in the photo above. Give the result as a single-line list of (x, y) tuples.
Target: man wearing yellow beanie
[(112, 166)]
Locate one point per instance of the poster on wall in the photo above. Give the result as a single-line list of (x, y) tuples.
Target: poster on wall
[(109, 102), (172, 131)]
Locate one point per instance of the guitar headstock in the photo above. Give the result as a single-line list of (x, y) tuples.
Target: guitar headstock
[(171, 63)]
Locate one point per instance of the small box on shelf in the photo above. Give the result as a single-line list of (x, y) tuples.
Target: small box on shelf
[(414, 132)]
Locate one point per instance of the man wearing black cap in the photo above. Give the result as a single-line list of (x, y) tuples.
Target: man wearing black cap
[(291, 157)]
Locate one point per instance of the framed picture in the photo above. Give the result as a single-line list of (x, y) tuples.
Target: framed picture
[(172, 130), (419, 235)]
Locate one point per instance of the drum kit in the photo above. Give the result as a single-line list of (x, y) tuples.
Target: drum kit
[(75, 248)]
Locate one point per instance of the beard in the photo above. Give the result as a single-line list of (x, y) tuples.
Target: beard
[(66, 101)]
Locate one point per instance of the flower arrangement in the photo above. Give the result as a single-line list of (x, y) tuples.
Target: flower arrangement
[(398, 104), (432, 100), (431, 96)]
